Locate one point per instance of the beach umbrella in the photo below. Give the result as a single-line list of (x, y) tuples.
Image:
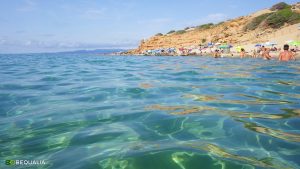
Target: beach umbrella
[(239, 48), (224, 46), (217, 44), (258, 45), (270, 43), (295, 43), (210, 44)]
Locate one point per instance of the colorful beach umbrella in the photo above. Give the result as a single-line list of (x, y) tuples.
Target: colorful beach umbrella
[(225, 46), (239, 48), (295, 43)]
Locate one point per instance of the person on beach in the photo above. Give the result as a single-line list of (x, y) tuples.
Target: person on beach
[(217, 54), (261, 51), (286, 55), (243, 53), (266, 54), (254, 55)]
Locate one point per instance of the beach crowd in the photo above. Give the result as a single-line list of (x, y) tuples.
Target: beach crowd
[(263, 52), (219, 50)]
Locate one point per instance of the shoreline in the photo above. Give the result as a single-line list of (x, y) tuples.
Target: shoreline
[(230, 55)]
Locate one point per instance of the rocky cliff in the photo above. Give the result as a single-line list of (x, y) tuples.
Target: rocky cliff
[(262, 26)]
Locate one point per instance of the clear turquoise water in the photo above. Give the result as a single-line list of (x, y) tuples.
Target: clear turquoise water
[(113, 112)]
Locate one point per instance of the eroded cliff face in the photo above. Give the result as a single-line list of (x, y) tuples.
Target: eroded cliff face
[(231, 31)]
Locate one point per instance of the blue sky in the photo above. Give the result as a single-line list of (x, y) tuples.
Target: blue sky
[(61, 25)]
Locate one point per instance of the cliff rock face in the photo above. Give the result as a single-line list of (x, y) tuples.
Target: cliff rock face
[(231, 31)]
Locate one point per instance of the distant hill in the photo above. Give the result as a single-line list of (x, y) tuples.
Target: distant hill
[(95, 51), (275, 24)]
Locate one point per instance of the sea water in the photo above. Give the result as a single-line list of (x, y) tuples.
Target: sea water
[(84, 111)]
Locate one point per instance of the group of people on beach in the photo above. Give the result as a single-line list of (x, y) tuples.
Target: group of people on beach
[(264, 52)]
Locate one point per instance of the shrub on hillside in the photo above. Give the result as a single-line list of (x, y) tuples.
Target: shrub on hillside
[(279, 6), (295, 18), (256, 21), (180, 32), (205, 26), (159, 34), (172, 31), (279, 18), (220, 23)]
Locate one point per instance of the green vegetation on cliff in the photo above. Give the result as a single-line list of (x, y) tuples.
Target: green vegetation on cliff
[(205, 26), (180, 32), (282, 14), (295, 18), (256, 21), (279, 6), (279, 18), (172, 31)]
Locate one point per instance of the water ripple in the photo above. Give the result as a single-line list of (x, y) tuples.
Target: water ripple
[(85, 111)]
